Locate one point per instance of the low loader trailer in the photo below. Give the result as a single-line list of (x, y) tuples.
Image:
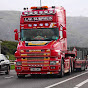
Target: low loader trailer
[(42, 47)]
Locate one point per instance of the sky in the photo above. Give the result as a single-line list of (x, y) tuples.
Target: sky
[(73, 7)]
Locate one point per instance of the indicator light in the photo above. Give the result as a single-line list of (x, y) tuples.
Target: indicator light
[(25, 13), (51, 11), (40, 12), (29, 25), (46, 12), (35, 25), (40, 24), (31, 13), (35, 12), (46, 24)]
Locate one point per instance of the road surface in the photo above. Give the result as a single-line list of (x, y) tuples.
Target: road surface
[(75, 80)]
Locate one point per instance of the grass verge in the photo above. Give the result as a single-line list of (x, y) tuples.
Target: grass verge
[(12, 67)]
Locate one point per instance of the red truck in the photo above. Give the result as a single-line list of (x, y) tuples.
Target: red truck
[(42, 47)]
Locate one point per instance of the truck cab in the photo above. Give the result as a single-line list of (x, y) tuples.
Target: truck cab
[(42, 42)]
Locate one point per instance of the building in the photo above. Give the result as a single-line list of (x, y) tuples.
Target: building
[(0, 46)]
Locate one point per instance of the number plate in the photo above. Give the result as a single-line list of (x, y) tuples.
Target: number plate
[(35, 69)]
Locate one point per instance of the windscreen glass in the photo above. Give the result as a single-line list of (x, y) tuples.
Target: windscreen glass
[(44, 34)]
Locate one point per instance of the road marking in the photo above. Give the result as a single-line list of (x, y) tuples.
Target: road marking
[(80, 84), (65, 80), (9, 77)]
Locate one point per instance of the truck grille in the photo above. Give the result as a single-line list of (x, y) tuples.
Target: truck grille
[(36, 58), (36, 54), (35, 62), (38, 63)]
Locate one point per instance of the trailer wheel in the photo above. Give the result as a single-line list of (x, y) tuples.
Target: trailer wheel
[(62, 70), (82, 67), (20, 76)]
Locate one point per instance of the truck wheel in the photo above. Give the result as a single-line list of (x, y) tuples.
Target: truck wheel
[(72, 67), (62, 70), (70, 70), (20, 76), (84, 67), (8, 70)]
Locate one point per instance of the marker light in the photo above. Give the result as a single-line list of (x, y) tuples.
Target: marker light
[(31, 13), (45, 7), (41, 24), (51, 11), (35, 24), (33, 7), (35, 12), (25, 13), (46, 24), (46, 12), (30, 25), (40, 12)]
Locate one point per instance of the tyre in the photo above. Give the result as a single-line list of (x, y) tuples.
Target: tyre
[(72, 67), (70, 70), (84, 67), (62, 70), (8, 70)]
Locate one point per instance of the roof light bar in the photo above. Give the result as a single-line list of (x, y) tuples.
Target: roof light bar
[(37, 8), (45, 12)]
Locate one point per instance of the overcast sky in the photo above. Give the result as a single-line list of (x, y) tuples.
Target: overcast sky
[(73, 7)]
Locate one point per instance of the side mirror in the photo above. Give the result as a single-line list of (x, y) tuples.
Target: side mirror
[(64, 34), (64, 28), (16, 34), (16, 30)]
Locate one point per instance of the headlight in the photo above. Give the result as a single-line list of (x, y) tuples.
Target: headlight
[(30, 13), (46, 24), (35, 12), (18, 63), (53, 62), (25, 13), (40, 12), (46, 12), (51, 11), (48, 50)]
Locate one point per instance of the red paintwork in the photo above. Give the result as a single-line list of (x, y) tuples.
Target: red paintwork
[(58, 48)]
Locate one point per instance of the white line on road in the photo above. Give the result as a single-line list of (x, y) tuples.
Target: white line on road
[(80, 84), (9, 77), (65, 80)]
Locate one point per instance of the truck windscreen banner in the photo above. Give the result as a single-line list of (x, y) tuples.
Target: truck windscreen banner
[(29, 19)]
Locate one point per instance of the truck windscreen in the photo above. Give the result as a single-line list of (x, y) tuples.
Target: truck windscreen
[(43, 34)]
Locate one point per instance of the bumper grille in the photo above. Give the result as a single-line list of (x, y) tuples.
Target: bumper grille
[(38, 58), (36, 62), (36, 54)]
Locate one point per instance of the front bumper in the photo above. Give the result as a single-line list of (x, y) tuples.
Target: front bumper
[(44, 70), (3, 67)]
